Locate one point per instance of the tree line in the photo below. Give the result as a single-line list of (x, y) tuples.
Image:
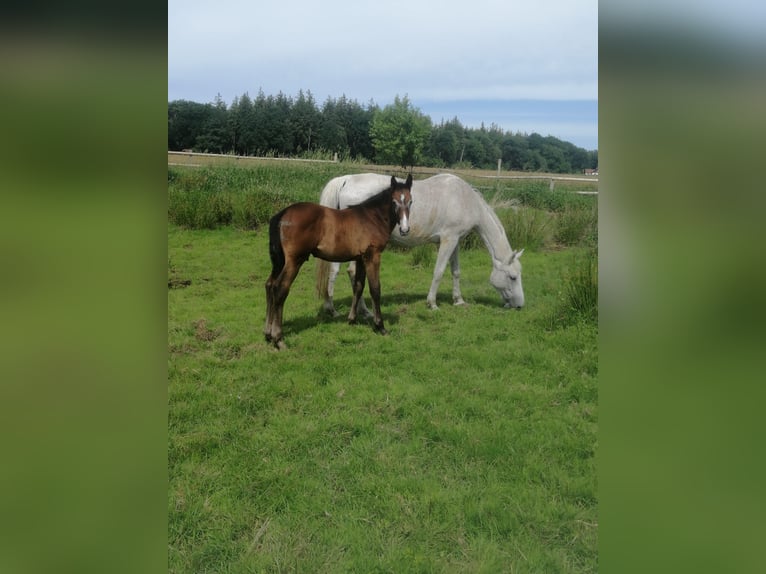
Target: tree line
[(396, 134)]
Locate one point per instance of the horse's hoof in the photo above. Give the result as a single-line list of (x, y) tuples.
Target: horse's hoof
[(460, 302), (432, 306), (267, 336), (331, 312), (381, 330), (280, 345)]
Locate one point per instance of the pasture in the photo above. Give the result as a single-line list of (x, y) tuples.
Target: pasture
[(464, 441)]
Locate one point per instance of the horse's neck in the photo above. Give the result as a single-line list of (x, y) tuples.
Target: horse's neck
[(492, 233)]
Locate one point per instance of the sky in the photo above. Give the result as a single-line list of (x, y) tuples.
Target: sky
[(524, 66)]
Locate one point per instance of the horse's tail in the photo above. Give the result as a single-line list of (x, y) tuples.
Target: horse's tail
[(330, 197), (276, 252), (323, 278)]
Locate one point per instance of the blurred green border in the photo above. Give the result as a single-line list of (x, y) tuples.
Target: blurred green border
[(83, 247), (83, 244), (682, 127)]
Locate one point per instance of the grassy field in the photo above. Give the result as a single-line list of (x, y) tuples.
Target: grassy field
[(464, 441)]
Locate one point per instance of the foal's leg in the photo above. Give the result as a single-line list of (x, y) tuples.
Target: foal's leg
[(447, 246), (454, 264), (358, 288), (373, 279), (269, 308), (280, 291), (361, 308)]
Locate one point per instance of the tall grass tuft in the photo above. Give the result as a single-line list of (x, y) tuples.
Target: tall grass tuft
[(579, 296), (576, 225), (422, 256), (471, 241), (245, 197), (527, 227), (580, 302), (582, 287)]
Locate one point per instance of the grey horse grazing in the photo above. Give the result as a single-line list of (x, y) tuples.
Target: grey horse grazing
[(444, 209)]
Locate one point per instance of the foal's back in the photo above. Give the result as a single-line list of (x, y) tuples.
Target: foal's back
[(330, 234)]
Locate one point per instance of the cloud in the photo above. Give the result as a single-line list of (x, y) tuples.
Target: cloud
[(450, 50)]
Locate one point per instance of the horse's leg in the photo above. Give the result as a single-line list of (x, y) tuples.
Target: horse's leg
[(280, 291), (329, 306), (446, 247), (358, 288), (361, 308), (454, 264), (373, 279)]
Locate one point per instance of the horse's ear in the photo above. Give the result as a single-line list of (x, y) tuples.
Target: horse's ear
[(393, 182), (515, 255), (408, 183)]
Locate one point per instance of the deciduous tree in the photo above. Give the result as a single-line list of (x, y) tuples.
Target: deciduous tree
[(399, 132)]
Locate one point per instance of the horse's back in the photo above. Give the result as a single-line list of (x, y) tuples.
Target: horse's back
[(346, 190), (442, 204)]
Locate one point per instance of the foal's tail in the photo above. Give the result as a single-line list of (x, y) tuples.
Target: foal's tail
[(276, 252)]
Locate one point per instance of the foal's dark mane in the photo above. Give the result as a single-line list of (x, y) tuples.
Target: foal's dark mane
[(377, 198)]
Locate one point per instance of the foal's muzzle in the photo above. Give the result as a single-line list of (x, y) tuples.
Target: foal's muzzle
[(404, 226)]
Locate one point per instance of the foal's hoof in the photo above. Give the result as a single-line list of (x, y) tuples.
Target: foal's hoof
[(381, 330), (280, 345)]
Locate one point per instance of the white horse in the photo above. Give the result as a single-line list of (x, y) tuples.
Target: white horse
[(444, 209)]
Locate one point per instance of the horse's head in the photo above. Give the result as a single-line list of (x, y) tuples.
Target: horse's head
[(506, 278), (402, 198)]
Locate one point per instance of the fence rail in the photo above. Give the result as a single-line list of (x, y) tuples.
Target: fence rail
[(551, 178), (193, 154)]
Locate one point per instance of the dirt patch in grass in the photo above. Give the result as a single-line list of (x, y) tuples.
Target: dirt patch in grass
[(202, 333)]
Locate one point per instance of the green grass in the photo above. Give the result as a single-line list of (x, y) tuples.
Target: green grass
[(464, 441), (214, 196)]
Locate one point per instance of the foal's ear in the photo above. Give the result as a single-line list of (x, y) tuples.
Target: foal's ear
[(394, 183), (408, 183)]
